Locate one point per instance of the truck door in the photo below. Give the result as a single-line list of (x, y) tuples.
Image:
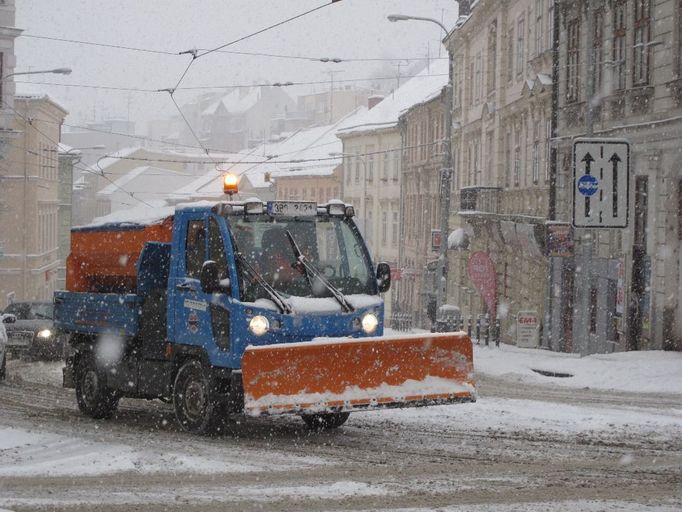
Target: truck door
[(192, 319)]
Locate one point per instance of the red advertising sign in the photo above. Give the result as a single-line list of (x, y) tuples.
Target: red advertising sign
[(482, 274)]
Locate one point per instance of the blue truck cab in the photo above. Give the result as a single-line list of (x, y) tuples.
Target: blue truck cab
[(235, 274)]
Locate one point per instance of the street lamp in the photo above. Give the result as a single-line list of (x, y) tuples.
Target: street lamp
[(56, 71), (364, 185), (446, 172)]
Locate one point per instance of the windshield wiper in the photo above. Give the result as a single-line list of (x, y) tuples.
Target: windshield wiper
[(283, 305), (312, 270)]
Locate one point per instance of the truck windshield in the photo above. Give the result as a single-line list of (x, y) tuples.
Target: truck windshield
[(332, 244)]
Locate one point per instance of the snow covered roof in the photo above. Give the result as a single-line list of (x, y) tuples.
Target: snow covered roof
[(423, 87), (116, 157), (235, 102), (281, 158)]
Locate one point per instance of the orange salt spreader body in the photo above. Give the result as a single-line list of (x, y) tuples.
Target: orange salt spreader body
[(103, 259)]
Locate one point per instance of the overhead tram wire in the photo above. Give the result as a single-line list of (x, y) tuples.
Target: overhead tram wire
[(272, 159), (233, 52), (31, 124), (233, 86)]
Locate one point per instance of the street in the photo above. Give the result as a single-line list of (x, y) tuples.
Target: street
[(520, 447)]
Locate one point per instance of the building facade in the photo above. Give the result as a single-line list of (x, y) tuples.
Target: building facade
[(502, 111), (423, 131), (621, 288), (30, 199), (371, 183)]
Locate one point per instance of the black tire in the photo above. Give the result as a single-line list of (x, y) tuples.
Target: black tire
[(195, 405), (94, 398), (325, 421), (3, 367)]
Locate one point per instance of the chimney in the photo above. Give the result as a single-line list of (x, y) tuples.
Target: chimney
[(373, 101), (464, 7)]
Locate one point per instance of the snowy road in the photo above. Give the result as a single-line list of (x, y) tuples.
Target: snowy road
[(525, 446)]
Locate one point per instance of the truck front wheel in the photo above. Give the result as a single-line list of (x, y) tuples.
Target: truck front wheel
[(94, 398), (195, 407)]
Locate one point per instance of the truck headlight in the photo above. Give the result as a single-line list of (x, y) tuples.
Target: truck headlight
[(369, 323), (45, 333), (259, 325)]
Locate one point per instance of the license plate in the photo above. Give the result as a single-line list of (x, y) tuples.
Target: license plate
[(19, 339), (292, 208)]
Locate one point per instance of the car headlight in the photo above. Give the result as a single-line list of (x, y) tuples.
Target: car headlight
[(259, 325), (45, 333), (369, 323)]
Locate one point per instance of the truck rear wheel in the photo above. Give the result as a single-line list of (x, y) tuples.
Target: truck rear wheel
[(195, 406), (325, 421), (94, 398)]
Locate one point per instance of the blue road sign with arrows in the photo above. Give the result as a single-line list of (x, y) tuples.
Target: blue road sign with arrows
[(601, 183)]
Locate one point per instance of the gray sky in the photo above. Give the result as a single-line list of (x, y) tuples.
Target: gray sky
[(348, 29)]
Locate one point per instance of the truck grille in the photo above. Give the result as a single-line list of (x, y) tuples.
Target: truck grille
[(19, 338)]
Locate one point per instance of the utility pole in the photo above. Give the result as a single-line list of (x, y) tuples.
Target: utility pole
[(582, 321)]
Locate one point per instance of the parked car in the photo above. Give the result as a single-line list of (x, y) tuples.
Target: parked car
[(3, 347), (30, 330)]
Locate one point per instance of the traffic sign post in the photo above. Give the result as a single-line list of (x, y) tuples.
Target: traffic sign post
[(601, 183)]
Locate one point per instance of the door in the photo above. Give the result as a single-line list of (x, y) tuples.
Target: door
[(638, 304), (192, 323)]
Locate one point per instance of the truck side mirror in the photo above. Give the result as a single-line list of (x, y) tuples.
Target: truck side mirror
[(9, 319), (383, 277), (210, 278)]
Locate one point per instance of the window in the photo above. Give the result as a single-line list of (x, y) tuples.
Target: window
[(539, 33), (548, 148), (195, 253), (368, 227), (370, 164), (347, 168), (357, 168), (550, 25), (384, 167), (2, 73), (384, 227), (507, 158), (679, 39), (492, 56), (216, 248), (478, 79), (517, 158), (510, 55), (619, 49), (394, 229), (593, 309), (573, 65), (520, 47), (396, 165), (642, 52), (477, 163), (536, 152), (598, 42)]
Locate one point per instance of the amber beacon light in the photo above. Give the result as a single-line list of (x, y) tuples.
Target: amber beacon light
[(230, 184)]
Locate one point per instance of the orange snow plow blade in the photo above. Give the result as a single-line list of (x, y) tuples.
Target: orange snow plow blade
[(352, 374)]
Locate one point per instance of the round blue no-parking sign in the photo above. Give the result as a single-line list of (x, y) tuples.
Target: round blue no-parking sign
[(588, 185)]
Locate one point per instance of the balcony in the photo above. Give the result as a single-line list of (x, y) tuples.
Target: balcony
[(479, 199)]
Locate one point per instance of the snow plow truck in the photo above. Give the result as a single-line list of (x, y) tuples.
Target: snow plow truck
[(256, 307)]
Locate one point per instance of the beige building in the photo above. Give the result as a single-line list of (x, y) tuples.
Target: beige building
[(502, 62), (373, 148), (29, 196), (423, 131), (629, 296)]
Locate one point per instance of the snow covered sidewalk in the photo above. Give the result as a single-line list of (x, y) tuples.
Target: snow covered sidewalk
[(639, 372)]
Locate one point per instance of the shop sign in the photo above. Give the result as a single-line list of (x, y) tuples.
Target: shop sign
[(620, 287), (482, 273), (435, 240), (527, 329), (559, 241)]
